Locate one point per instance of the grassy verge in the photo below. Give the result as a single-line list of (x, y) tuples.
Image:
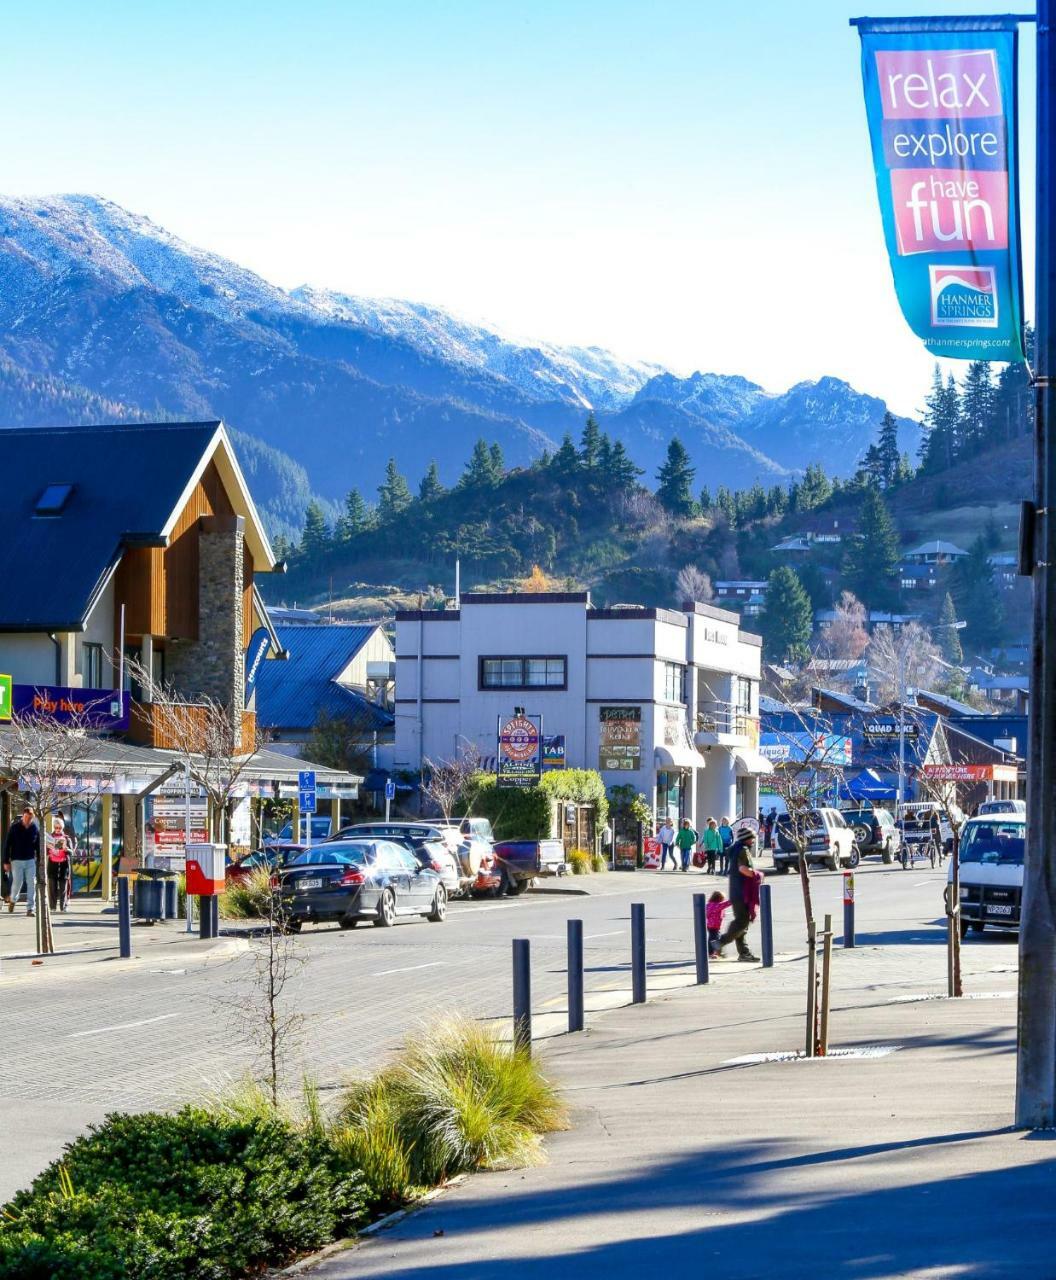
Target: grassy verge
[(226, 1189)]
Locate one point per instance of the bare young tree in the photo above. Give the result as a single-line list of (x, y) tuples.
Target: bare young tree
[(445, 782), (209, 737), (693, 584), (845, 636), (936, 784), (47, 758), (903, 659)]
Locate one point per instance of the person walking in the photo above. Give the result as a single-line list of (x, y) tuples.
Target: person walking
[(21, 850), (726, 835), (60, 864), (744, 897), (686, 840), (712, 844), (715, 908), (666, 836)]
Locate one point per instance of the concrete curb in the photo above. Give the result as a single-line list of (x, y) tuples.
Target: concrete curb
[(223, 949)]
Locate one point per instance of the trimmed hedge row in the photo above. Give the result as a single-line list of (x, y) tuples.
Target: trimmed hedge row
[(525, 812)]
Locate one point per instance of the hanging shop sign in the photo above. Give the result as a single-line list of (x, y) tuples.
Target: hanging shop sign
[(620, 739), (519, 761)]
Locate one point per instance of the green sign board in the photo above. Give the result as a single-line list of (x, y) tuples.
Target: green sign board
[(5, 697)]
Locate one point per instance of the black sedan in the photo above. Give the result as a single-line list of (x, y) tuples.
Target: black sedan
[(353, 880)]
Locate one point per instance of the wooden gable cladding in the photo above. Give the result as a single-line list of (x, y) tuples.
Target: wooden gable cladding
[(159, 585)]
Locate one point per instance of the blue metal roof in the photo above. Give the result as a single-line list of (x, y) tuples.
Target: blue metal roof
[(292, 694), (125, 482)]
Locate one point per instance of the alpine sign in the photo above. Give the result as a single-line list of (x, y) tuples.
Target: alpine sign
[(520, 744), (940, 95)]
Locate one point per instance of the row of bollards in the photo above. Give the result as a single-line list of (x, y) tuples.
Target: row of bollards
[(522, 978)]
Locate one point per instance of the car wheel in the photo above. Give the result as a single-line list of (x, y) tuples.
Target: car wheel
[(855, 857), (348, 922), (386, 910), (439, 911), (515, 887), (978, 926), (833, 861), (887, 853), (862, 835), (291, 925), (964, 930), (782, 868)]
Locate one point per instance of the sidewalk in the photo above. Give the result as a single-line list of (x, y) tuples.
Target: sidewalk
[(86, 940), (690, 1156)]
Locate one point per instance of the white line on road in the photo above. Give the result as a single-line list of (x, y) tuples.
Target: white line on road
[(611, 934), (123, 1026), (433, 964)]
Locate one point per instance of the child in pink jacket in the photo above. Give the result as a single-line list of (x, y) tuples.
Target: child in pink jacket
[(716, 908)]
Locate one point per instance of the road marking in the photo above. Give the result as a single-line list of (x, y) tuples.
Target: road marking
[(611, 934), (433, 964), (123, 1026)]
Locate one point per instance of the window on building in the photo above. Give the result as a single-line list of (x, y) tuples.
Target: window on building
[(524, 673), (92, 666), (742, 695), (674, 682)]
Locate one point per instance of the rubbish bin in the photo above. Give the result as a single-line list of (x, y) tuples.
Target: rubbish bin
[(148, 894)]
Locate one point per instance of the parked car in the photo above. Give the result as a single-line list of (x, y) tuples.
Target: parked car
[(353, 880), (829, 840), (1002, 806), (522, 861), (990, 854), (874, 831), (273, 857), (320, 831), (473, 855)]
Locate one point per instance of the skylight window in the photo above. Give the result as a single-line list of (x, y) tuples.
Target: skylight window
[(53, 499)]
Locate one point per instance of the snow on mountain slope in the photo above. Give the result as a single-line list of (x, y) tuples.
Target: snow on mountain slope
[(586, 376)]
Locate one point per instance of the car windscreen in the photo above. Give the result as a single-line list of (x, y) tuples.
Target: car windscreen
[(994, 843), (357, 853)]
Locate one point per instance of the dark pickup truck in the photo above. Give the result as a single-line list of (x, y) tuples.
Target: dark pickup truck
[(522, 861)]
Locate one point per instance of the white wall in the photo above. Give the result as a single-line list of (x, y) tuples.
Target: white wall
[(28, 658)]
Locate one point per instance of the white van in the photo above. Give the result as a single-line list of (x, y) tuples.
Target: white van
[(991, 863)]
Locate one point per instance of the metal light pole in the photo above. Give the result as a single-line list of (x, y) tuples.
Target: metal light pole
[(1036, 1060)]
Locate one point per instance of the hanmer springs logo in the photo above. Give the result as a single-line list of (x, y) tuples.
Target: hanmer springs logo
[(963, 297)]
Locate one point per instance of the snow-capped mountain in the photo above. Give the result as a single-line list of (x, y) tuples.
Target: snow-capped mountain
[(104, 312), (585, 376)]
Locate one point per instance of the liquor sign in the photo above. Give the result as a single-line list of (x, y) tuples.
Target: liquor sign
[(554, 751), (620, 739), (89, 708), (519, 761), (940, 95)]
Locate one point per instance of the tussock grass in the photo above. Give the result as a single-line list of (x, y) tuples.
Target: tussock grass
[(453, 1100), (247, 899), (598, 862), (580, 862)]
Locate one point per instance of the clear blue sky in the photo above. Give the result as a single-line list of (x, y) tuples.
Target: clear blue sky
[(683, 182)]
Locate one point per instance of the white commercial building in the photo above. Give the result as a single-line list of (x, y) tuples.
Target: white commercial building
[(666, 701)]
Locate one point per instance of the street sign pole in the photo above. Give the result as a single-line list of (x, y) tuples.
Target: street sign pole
[(306, 801), (390, 795), (1036, 1057)]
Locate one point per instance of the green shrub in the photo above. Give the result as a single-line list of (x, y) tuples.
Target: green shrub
[(455, 1099), (598, 862), (247, 899), (527, 812), (579, 861), (370, 1140), (192, 1196)]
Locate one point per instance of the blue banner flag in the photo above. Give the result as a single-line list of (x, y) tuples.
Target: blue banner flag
[(941, 104)]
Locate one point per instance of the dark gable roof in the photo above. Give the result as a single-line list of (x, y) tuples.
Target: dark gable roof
[(292, 693), (127, 481)]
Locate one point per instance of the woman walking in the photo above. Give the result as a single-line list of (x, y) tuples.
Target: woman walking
[(711, 843), (60, 850)]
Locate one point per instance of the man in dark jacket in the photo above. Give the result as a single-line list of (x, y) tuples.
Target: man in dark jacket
[(21, 850), (743, 878)]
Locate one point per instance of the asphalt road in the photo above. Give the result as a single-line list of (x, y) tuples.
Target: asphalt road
[(132, 1040)]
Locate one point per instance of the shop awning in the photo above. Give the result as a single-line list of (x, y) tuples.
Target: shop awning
[(677, 758), (749, 764)]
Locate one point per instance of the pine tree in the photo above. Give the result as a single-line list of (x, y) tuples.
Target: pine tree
[(566, 459), (479, 471), (621, 472), (814, 489), (887, 450), (498, 463), (872, 556), (704, 501), (777, 501), (675, 489), (726, 505), (590, 444), (394, 495), (942, 416), (787, 621), (977, 598), (949, 638), (431, 487), (316, 537), (354, 519), (977, 408)]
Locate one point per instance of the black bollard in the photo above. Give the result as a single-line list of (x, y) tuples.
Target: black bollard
[(208, 916), (124, 918), (766, 925), (575, 975), (700, 935), (638, 952), (522, 996), (171, 899)]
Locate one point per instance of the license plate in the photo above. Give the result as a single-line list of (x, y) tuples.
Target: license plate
[(310, 884), (993, 910)]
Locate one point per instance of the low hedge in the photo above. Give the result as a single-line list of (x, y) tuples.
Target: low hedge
[(190, 1196), (525, 812)]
